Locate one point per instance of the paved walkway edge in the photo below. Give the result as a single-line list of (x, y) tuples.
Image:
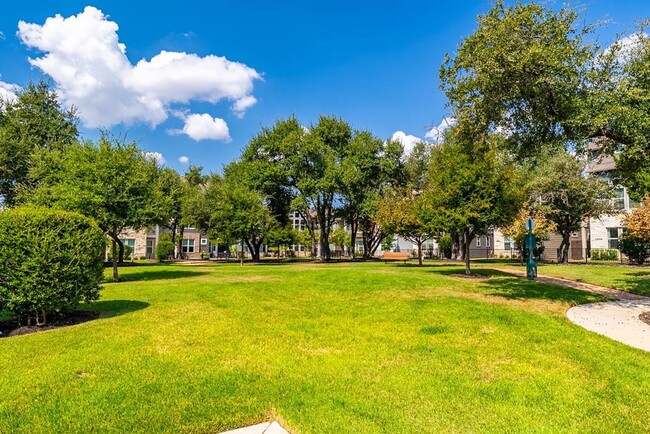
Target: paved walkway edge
[(617, 320), (260, 428)]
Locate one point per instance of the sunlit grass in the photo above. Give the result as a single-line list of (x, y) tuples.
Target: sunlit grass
[(347, 347)]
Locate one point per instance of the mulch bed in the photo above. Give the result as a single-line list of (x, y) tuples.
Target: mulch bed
[(470, 276), (10, 328), (645, 317)]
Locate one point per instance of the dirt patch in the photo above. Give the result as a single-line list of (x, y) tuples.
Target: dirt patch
[(10, 328), (469, 276), (645, 317)]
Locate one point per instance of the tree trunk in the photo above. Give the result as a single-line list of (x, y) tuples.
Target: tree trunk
[(420, 241), (564, 248), (467, 242), (179, 247), (114, 258), (354, 226), (120, 244)]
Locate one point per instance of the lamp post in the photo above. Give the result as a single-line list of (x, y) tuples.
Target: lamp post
[(531, 243)]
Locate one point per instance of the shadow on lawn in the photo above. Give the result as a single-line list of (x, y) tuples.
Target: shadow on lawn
[(637, 282), (516, 288), (145, 275), (111, 308)]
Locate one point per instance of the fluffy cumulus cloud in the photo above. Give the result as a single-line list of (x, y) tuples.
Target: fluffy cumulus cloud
[(437, 134), (8, 91), (183, 160), (87, 62), (204, 127), (407, 140), (156, 156)]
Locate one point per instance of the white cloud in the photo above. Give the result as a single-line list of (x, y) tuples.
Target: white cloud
[(242, 104), (87, 62), (407, 140), (2, 36), (626, 46), (183, 160), (8, 91), (156, 156), (204, 127), (438, 133)]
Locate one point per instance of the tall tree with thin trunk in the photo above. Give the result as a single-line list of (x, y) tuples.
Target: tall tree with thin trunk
[(568, 196), (113, 182)]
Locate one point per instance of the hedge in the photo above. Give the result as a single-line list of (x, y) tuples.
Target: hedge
[(50, 261)]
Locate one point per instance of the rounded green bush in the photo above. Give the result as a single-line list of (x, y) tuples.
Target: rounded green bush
[(165, 247), (50, 261)]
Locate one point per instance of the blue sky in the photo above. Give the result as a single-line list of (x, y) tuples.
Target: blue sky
[(373, 63)]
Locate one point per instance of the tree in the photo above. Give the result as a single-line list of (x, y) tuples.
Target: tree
[(339, 237), (635, 242), (403, 212), (567, 196), (35, 120), (618, 109), (369, 167), (113, 182), (313, 161), (417, 165), (524, 72), (471, 187), (231, 211), (280, 236), (638, 222)]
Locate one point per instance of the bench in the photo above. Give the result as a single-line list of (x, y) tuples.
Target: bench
[(395, 256)]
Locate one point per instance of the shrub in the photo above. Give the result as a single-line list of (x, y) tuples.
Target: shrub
[(50, 261), (165, 248), (444, 245), (604, 254), (636, 249)]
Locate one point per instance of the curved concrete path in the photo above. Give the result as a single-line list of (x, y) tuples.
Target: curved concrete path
[(618, 320)]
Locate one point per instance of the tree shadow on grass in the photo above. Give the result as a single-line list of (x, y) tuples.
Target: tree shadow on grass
[(516, 288), (637, 282), (112, 308), (146, 275)]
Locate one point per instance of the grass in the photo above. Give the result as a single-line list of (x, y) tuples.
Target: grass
[(623, 277), (349, 347)]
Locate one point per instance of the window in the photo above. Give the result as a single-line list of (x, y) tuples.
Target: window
[(618, 201), (131, 243), (150, 246), (478, 241), (487, 241), (187, 245), (204, 241), (613, 235)]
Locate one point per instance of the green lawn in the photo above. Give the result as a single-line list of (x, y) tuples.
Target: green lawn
[(347, 347), (624, 277)]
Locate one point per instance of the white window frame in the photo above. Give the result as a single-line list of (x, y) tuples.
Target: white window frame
[(187, 245), (204, 241), (487, 241), (610, 239), (478, 241)]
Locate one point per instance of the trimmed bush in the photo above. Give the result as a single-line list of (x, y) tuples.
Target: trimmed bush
[(636, 249), (50, 261), (604, 254), (165, 247), (444, 245)]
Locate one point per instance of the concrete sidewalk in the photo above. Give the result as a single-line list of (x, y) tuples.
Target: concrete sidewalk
[(618, 320), (260, 428)]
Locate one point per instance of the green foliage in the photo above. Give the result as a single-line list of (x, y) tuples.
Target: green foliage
[(164, 248), (229, 210), (113, 182), (636, 249), (50, 261), (445, 244), (339, 237), (604, 254), (35, 120), (568, 196), (472, 187), (524, 71)]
